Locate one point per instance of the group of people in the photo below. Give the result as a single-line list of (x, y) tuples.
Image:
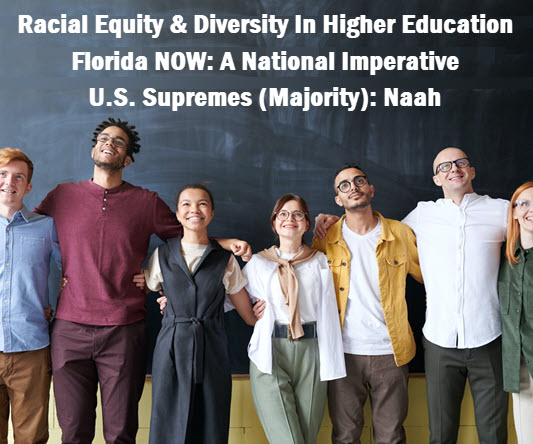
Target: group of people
[(330, 320)]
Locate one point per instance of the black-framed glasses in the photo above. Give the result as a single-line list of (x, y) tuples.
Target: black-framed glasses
[(104, 138), (523, 205), (346, 185), (298, 215), (447, 166)]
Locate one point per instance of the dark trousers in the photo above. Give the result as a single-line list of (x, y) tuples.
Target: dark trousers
[(385, 383), (446, 372), (82, 357)]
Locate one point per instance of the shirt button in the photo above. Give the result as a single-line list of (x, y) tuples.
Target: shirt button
[(329, 262), (103, 208), (341, 289), (344, 264), (105, 199), (7, 229)]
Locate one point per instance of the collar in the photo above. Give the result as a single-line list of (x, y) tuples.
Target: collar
[(23, 214), (26, 214), (94, 186), (519, 251), (467, 199), (336, 230)]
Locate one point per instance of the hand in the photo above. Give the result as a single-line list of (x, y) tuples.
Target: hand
[(139, 280), (259, 308), (242, 249), (48, 313), (322, 223), (62, 283), (162, 301)]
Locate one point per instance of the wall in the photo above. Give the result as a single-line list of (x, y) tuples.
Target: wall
[(245, 427)]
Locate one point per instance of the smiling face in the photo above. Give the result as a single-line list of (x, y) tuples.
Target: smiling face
[(522, 215), (194, 210), (290, 228), (357, 197), (457, 181), (110, 155), (14, 184)]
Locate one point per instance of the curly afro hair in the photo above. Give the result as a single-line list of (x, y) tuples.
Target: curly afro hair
[(133, 136)]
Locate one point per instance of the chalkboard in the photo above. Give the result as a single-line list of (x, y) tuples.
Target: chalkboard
[(251, 157)]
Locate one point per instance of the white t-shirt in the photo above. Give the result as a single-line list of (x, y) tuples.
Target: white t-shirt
[(233, 278), (364, 331)]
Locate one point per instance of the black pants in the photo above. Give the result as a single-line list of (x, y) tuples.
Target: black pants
[(446, 372)]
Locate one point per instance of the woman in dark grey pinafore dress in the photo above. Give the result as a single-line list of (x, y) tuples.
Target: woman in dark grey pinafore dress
[(191, 379)]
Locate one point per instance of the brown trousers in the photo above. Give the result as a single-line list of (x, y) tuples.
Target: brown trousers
[(385, 383), (25, 386)]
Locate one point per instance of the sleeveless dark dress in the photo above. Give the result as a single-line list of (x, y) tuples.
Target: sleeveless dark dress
[(191, 379)]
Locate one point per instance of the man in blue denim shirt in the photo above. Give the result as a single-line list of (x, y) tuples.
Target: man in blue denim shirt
[(28, 242)]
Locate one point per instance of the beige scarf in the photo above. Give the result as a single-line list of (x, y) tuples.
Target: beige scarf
[(289, 283)]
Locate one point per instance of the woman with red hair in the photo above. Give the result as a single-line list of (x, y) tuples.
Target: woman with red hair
[(515, 286)]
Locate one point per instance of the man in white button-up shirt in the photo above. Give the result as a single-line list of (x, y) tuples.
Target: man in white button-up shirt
[(459, 240)]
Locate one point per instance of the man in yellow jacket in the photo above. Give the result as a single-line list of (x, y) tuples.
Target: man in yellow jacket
[(370, 257)]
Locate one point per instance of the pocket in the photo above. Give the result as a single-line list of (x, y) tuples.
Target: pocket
[(504, 296), (33, 249), (396, 271), (336, 266)]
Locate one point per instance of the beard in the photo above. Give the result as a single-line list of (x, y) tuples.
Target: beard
[(363, 202), (111, 167)]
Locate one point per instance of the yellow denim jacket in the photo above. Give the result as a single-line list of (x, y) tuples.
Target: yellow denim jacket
[(397, 255)]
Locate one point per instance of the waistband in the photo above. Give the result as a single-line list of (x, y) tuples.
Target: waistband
[(284, 331)]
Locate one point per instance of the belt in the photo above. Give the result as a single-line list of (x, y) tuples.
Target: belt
[(284, 331), (198, 338)]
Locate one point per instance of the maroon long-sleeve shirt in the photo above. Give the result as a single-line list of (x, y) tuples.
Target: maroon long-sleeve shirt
[(104, 236)]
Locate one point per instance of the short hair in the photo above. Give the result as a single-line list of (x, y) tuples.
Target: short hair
[(133, 136), (8, 155), (347, 166), (195, 186), (513, 227), (282, 201)]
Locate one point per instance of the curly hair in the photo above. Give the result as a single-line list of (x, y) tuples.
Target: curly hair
[(133, 136)]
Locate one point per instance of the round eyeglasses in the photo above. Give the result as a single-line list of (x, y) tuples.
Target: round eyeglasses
[(346, 185), (444, 167), (523, 205), (297, 215), (104, 138)]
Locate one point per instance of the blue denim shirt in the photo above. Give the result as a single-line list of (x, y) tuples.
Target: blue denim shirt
[(28, 243)]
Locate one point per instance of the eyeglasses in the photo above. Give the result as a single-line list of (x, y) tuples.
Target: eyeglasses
[(119, 143), (346, 185), (447, 166), (298, 215), (523, 205)]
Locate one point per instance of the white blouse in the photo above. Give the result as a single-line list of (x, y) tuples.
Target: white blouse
[(316, 296)]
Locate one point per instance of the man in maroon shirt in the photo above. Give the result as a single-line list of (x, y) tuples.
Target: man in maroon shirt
[(104, 227)]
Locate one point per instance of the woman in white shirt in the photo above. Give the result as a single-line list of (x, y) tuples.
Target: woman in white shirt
[(297, 345)]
